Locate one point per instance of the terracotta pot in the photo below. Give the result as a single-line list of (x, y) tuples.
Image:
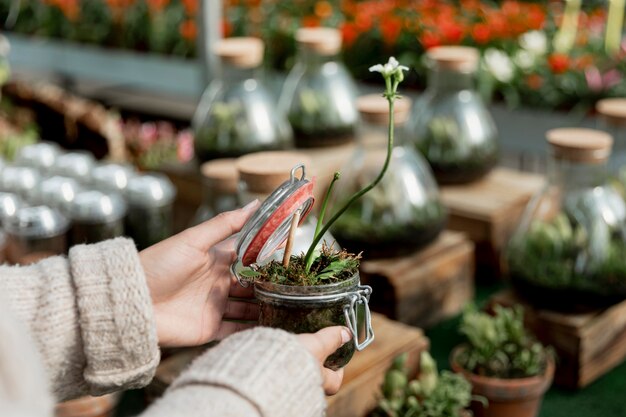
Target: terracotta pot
[(88, 407), (520, 397)]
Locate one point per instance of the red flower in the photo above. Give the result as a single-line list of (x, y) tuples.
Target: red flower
[(310, 21), (481, 33), (191, 7), (227, 28), (188, 30), (452, 32), (350, 33), (534, 81), (390, 28), (559, 63), (430, 39)]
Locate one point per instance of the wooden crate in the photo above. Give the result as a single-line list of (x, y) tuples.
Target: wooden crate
[(588, 344), (427, 287), (488, 212), (364, 375)]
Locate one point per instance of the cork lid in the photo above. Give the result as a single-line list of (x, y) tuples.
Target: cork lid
[(580, 144), (221, 175), (613, 110), (374, 108), (263, 172), (244, 52), (324, 41), (455, 58)]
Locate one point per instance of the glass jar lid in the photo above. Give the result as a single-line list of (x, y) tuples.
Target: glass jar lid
[(321, 40), (40, 155), (150, 190), (374, 109), (241, 52), (91, 206), (57, 192), (221, 175), (36, 222), (613, 110), (455, 58), (268, 227), (580, 144), (112, 176), (77, 165), (20, 180), (9, 205)]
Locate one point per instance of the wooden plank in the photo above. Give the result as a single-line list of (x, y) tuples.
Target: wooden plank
[(588, 343), (365, 373), (427, 287)]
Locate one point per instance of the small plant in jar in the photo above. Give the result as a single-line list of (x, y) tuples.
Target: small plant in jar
[(320, 288)]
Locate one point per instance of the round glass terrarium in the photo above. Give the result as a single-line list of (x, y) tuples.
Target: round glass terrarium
[(9, 205), (569, 247), (237, 114), (219, 186), (57, 192), (40, 155), (318, 94), (450, 124), (20, 180), (150, 200), (77, 165), (35, 233), (403, 212), (96, 216), (112, 177), (303, 308)]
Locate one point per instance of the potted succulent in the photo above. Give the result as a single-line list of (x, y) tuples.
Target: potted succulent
[(429, 395), (504, 363), (320, 288)]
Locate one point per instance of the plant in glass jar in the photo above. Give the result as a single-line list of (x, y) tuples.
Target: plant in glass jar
[(319, 288), (503, 362), (431, 394)]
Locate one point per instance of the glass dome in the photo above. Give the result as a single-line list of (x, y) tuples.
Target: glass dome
[(403, 212), (219, 186), (570, 244), (450, 124), (237, 114)]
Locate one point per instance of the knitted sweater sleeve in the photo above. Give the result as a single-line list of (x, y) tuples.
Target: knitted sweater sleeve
[(90, 316)]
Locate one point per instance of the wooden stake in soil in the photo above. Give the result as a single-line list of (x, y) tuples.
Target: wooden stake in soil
[(295, 220)]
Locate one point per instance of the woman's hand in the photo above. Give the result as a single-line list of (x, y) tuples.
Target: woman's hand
[(323, 344), (190, 282)]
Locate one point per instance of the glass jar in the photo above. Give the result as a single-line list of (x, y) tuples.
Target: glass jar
[(237, 114), (57, 192), (96, 216), (77, 165), (150, 200), (219, 181), (450, 124), (569, 247), (262, 173), (110, 176), (9, 205), (35, 233), (40, 155), (22, 181), (403, 212), (299, 309), (318, 94)]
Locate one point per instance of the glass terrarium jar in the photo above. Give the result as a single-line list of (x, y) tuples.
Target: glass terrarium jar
[(57, 192), (150, 200), (112, 177), (219, 186), (318, 94), (35, 233), (19, 180), (237, 114), (9, 205), (403, 212), (40, 155), (450, 124), (77, 165), (570, 244), (304, 308), (96, 216)]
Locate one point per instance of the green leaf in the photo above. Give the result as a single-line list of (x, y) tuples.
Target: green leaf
[(249, 273)]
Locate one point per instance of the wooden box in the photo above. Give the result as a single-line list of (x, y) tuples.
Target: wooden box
[(364, 375), (427, 287), (588, 344), (488, 211)]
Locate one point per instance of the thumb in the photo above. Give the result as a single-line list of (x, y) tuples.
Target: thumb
[(329, 340), (221, 227)]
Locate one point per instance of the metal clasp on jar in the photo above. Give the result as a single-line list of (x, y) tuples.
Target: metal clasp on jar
[(360, 296)]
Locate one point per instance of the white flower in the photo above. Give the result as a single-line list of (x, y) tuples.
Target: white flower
[(535, 42), (499, 65), (391, 67), (524, 59)]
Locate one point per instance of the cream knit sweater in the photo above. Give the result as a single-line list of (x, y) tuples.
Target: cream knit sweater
[(84, 325)]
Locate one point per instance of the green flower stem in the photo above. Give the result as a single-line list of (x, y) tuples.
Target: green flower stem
[(390, 95), (325, 204)]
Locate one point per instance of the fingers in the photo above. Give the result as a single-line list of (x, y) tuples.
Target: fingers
[(221, 227), (241, 310), (329, 340), (236, 290), (229, 327), (331, 380)]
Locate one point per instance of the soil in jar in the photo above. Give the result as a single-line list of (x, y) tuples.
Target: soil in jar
[(83, 232), (323, 137)]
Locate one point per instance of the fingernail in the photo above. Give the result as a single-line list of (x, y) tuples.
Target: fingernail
[(346, 335), (250, 205)]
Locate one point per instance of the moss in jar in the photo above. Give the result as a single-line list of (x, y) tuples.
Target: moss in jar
[(555, 257), (452, 159), (83, 232), (389, 236), (316, 122)]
